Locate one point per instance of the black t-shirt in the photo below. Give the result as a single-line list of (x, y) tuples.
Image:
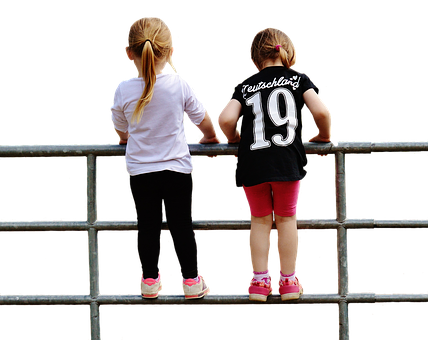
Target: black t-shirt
[(271, 147)]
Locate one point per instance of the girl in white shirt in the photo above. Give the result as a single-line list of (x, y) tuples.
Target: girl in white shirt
[(148, 114)]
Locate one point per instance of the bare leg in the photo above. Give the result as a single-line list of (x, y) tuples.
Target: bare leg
[(287, 242), (260, 241)]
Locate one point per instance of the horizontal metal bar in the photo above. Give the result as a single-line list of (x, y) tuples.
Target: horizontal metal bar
[(201, 149), (44, 226), (274, 299), (61, 150), (357, 297), (45, 300), (208, 225), (213, 300), (207, 300)]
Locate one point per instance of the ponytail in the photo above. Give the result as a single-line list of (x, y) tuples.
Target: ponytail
[(149, 75), (285, 58), (151, 39)]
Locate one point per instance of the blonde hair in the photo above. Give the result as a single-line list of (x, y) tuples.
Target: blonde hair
[(265, 46), (150, 40)]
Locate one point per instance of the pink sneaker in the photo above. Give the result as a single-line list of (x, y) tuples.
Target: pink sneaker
[(195, 290), (290, 289), (259, 290)]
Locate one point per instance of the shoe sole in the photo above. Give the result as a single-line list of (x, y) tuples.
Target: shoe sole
[(200, 295), (259, 297), (154, 296), (291, 296)]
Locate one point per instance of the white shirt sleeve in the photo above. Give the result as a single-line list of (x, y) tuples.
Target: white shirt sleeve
[(118, 115), (192, 106)]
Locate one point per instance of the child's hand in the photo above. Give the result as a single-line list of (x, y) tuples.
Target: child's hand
[(317, 139), (320, 139), (124, 139), (211, 140)]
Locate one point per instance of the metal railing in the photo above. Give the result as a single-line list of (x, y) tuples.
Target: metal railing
[(343, 298)]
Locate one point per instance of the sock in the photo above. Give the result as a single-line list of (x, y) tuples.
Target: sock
[(291, 276), (196, 279), (262, 276), (156, 279)]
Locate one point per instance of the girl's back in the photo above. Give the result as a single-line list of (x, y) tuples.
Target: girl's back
[(159, 136), (271, 147)]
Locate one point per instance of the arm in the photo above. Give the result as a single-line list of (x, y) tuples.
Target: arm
[(321, 116), (207, 128), (123, 137), (228, 120)]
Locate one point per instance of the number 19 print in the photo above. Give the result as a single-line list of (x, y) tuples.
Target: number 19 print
[(260, 141)]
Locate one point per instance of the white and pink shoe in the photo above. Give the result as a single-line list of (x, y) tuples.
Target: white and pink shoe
[(195, 289), (150, 287)]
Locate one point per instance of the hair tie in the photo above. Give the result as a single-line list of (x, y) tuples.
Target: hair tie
[(277, 47), (147, 40)]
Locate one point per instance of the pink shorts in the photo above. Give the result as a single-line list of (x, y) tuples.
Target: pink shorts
[(279, 197)]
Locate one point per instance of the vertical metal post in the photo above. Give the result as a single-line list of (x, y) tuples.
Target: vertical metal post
[(93, 245), (342, 245), (92, 188)]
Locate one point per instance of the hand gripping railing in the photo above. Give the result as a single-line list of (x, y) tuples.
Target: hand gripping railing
[(92, 226)]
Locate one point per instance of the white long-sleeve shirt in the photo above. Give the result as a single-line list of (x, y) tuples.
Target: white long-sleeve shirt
[(157, 142)]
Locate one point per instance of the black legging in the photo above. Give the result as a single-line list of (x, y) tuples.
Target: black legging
[(175, 189)]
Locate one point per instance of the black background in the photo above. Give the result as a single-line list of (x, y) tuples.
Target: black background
[(60, 71)]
